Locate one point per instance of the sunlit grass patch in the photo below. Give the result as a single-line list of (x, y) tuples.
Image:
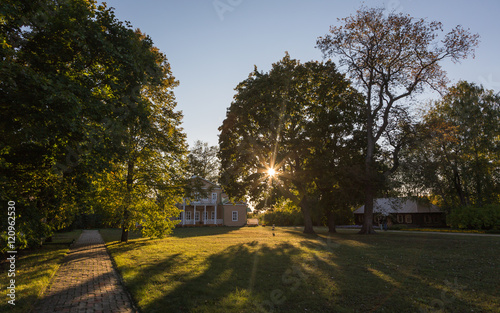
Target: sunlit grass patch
[(250, 270)]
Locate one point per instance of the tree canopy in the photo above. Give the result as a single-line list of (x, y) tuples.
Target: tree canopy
[(278, 128), (80, 91), (203, 161), (456, 157)]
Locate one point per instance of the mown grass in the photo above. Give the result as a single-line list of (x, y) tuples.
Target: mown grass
[(34, 269), (250, 270)]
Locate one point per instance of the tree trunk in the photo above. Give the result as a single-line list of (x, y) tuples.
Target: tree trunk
[(124, 237), (128, 197), (331, 222), (367, 227), (308, 226)]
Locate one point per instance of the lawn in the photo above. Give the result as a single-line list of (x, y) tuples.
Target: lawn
[(34, 269), (249, 270)]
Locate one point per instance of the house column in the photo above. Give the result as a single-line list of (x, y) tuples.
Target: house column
[(184, 213), (204, 214), (215, 215), (194, 213)]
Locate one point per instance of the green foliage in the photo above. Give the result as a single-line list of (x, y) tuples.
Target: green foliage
[(203, 161), (456, 156), (284, 213), (156, 220), (299, 121), (81, 91), (487, 217)]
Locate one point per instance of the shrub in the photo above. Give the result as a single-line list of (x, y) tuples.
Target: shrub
[(285, 213), (487, 217)]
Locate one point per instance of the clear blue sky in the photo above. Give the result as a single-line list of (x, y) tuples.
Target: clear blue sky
[(214, 45)]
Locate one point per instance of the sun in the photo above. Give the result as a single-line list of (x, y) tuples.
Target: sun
[(271, 172)]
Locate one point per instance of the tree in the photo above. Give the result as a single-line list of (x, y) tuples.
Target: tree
[(391, 58), (71, 93), (456, 158), (278, 124), (155, 150), (203, 161), (61, 105)]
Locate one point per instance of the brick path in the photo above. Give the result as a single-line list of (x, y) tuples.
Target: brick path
[(86, 281)]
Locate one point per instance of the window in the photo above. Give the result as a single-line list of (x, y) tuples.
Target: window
[(205, 216), (400, 219), (196, 196), (181, 216), (213, 214), (235, 216), (214, 197), (197, 216), (408, 218), (188, 215)]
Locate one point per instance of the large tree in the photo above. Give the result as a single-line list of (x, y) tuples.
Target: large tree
[(278, 124), (155, 148), (391, 58), (73, 83), (456, 157)]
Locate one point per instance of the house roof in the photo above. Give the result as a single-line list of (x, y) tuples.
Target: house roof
[(387, 206), (206, 181)]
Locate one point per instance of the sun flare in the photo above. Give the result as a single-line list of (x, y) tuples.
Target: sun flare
[(271, 172)]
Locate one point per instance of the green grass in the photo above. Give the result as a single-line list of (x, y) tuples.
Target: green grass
[(249, 270), (34, 269)]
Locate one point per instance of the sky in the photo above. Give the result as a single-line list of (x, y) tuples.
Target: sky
[(212, 45)]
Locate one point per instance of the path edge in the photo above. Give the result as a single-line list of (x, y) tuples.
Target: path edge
[(135, 307), (51, 279)]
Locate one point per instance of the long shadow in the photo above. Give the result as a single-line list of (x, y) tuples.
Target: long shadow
[(329, 273), (380, 281), (244, 268)]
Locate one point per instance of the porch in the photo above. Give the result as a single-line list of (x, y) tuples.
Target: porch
[(204, 214), (209, 221)]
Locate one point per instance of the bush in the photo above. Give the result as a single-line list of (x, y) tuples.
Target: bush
[(487, 217), (285, 213), (397, 227)]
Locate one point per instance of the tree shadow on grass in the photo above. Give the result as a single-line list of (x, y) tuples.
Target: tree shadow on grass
[(380, 278), (239, 279), (330, 273)]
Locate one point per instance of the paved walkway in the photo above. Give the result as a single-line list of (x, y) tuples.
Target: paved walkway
[(86, 282)]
